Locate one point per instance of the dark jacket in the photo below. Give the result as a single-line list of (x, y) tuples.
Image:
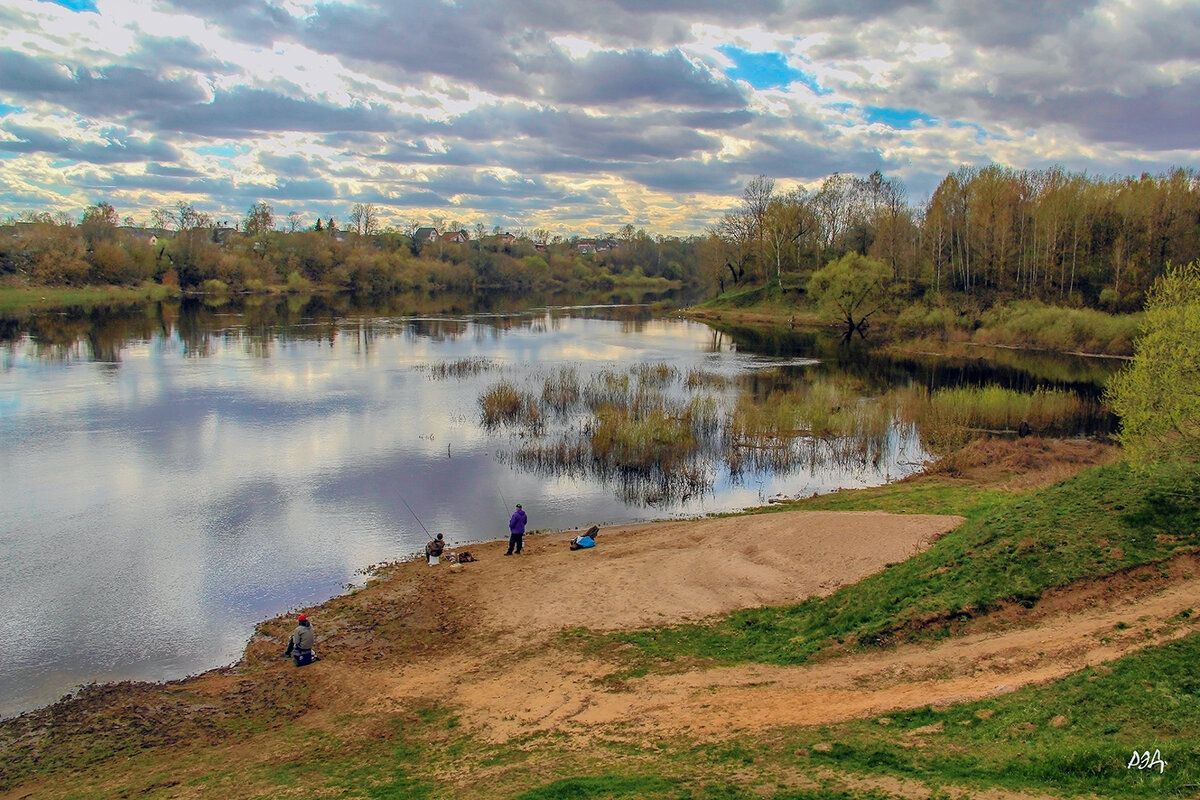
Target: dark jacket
[(516, 523)]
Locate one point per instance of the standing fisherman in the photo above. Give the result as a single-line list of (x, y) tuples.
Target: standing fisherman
[(516, 531)]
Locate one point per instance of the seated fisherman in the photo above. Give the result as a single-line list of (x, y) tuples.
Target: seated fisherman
[(585, 540), (434, 548), (301, 643)]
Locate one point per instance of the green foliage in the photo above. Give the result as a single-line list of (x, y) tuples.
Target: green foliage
[(1158, 396), (951, 417), (297, 283), (1033, 324), (851, 289)]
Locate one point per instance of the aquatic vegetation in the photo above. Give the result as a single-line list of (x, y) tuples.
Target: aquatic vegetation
[(504, 403), (658, 435), (561, 390), (460, 368)]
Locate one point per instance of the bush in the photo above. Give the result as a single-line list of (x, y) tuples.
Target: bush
[(297, 283)]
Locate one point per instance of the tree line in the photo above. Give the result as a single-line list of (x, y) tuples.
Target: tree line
[(986, 233), (186, 247), (991, 233)]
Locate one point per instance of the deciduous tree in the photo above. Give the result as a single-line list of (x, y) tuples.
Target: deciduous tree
[(1157, 397), (851, 289)]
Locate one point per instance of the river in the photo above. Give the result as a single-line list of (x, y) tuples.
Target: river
[(175, 474)]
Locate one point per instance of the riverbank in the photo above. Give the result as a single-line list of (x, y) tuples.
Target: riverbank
[(500, 678), (921, 328)]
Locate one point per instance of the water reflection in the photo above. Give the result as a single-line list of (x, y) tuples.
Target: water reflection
[(176, 472)]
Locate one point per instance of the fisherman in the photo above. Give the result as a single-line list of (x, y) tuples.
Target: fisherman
[(434, 549), (300, 645), (585, 540), (516, 531)]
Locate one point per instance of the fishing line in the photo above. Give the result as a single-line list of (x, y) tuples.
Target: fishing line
[(418, 519)]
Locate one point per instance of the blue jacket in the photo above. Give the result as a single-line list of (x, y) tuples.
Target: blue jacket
[(516, 524)]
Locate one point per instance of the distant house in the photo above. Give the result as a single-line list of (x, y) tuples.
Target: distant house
[(586, 247), (424, 235), (505, 238), (455, 237), (223, 232), (150, 236)]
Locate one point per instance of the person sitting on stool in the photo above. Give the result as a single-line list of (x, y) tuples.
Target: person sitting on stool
[(434, 549)]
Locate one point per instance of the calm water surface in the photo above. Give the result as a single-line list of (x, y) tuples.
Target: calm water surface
[(169, 484)]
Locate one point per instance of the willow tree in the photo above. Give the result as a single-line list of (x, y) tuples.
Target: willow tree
[(851, 289), (1157, 397)]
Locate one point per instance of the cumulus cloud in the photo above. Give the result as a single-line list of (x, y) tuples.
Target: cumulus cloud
[(571, 108)]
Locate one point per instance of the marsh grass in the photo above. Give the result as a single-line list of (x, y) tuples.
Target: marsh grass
[(504, 404), (1012, 549), (949, 418), (561, 390), (820, 422), (703, 379), (672, 431), (460, 368)]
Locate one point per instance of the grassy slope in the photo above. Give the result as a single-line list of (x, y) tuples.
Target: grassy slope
[(1012, 549)]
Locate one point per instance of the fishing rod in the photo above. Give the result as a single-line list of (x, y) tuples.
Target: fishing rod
[(418, 519), (503, 499)]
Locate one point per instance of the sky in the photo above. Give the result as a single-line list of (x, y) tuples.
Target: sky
[(576, 116)]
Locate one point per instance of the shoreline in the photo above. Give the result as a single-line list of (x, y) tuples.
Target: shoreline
[(270, 632)]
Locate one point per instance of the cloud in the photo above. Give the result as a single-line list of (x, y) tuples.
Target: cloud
[(564, 108), (113, 146), (246, 112), (668, 79), (104, 93)]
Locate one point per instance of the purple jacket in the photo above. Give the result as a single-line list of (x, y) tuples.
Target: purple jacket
[(516, 524)]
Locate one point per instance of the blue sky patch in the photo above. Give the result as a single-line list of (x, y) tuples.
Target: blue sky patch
[(766, 70), (76, 5), (226, 150), (899, 118), (6, 109)]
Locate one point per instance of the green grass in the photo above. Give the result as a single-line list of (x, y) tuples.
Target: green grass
[(1030, 323), (1011, 549), (1073, 736), (19, 299)]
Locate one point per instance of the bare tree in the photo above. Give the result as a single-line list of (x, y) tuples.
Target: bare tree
[(365, 218)]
